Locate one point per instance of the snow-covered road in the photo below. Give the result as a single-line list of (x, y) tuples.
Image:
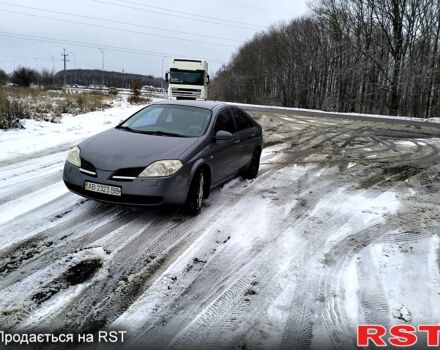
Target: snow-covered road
[(340, 228)]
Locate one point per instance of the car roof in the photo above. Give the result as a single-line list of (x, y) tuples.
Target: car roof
[(192, 103)]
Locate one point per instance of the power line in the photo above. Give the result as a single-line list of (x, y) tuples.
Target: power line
[(243, 26), (48, 58), (113, 21), (81, 43), (248, 6), (93, 45), (188, 13), (3, 54), (114, 28), (85, 63)]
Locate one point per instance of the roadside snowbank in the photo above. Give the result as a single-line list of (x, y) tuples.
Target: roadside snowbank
[(41, 136)]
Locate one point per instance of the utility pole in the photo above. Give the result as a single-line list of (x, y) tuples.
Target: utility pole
[(36, 61), (122, 81), (53, 64), (64, 54), (162, 78), (74, 65), (102, 73)]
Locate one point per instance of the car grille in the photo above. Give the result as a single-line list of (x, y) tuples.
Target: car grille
[(127, 174), (87, 165), (87, 168)]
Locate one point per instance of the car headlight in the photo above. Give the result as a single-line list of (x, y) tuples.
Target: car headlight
[(161, 168), (74, 156)]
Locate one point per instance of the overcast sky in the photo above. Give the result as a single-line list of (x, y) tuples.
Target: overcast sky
[(135, 35)]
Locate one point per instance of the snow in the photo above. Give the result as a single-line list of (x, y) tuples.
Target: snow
[(43, 135), (407, 143), (10, 210), (53, 272), (351, 285), (241, 243), (406, 270)]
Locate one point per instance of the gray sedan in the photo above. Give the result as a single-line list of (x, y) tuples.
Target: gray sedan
[(171, 152)]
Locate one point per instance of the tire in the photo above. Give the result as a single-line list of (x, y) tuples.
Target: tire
[(194, 201), (252, 170)]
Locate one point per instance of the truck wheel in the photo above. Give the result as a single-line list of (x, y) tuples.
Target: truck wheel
[(194, 200)]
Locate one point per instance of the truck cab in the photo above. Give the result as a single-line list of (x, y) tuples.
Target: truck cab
[(188, 79)]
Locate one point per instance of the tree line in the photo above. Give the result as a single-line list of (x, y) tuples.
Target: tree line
[(365, 56), (108, 78), (25, 77)]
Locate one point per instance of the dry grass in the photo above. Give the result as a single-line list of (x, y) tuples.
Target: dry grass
[(10, 112), (21, 103), (138, 100), (84, 102)]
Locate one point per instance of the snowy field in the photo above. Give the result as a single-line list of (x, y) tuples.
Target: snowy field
[(340, 228)]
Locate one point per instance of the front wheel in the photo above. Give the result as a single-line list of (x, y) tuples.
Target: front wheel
[(194, 200), (252, 170)]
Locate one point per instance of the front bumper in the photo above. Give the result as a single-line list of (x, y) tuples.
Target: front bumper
[(140, 191)]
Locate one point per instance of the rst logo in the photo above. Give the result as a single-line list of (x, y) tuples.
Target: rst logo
[(400, 335)]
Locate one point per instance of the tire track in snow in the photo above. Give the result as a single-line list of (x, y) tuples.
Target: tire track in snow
[(136, 263), (231, 298)]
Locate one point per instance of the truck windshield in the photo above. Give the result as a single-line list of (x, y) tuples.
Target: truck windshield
[(189, 77)]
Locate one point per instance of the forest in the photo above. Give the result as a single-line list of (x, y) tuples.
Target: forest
[(107, 78), (25, 77), (363, 56)]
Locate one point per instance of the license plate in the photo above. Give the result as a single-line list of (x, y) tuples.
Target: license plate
[(111, 190)]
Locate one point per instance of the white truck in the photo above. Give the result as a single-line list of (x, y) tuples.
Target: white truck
[(188, 79)]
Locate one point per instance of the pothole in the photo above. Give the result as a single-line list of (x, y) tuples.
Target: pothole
[(74, 275), (81, 272)]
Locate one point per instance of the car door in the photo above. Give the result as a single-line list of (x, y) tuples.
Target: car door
[(247, 135), (224, 158)]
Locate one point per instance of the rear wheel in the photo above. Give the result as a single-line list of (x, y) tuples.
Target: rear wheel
[(194, 200), (252, 170)]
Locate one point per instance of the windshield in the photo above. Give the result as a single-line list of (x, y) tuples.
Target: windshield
[(189, 77), (169, 120)]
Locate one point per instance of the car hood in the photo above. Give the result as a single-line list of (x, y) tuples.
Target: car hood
[(117, 149)]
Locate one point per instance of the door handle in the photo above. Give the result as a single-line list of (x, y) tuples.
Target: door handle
[(237, 141), (253, 134)]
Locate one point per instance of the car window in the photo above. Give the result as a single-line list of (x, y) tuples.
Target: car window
[(170, 119), (224, 121), (242, 120)]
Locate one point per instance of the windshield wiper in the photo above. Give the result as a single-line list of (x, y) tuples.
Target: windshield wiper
[(150, 132), (125, 128), (162, 133)]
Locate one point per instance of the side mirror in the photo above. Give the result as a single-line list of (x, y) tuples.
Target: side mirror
[(223, 135), (207, 79), (166, 77)]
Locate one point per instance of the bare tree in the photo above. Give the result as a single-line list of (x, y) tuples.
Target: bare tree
[(369, 56), (47, 78), (24, 76), (3, 77)]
